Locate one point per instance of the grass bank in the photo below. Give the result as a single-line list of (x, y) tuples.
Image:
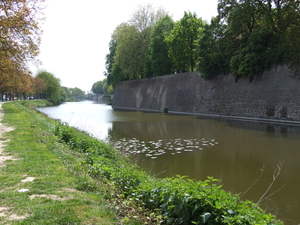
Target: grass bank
[(62, 158), (44, 182)]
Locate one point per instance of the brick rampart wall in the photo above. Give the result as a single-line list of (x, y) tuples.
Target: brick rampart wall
[(274, 94)]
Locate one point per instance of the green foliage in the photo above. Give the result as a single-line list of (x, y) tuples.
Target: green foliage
[(102, 87), (183, 201), (53, 91), (76, 92), (110, 60), (97, 87), (178, 200), (128, 49), (129, 46), (256, 34), (35, 103), (183, 41), (72, 93), (246, 38), (213, 52), (67, 91), (82, 142), (158, 61)]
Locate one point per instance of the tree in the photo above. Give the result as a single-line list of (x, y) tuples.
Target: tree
[(110, 60), (107, 89), (183, 41), (102, 87), (53, 92), (39, 85), (97, 87), (76, 92), (146, 16), (261, 33), (213, 50), (19, 35), (19, 41), (129, 53), (158, 61), (67, 91), (129, 44)]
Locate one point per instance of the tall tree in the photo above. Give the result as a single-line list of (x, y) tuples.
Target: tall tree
[(158, 61), (110, 60), (183, 41), (146, 16), (19, 34), (129, 44), (19, 43), (213, 50), (129, 52), (97, 87)]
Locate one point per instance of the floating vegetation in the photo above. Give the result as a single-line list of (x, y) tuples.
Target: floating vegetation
[(153, 149)]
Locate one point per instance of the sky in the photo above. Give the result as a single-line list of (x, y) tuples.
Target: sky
[(76, 34)]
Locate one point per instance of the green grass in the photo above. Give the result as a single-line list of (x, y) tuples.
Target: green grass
[(57, 171)]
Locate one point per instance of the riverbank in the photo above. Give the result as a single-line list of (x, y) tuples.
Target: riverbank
[(172, 200), (42, 182)]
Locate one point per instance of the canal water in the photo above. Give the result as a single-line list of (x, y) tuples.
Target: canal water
[(258, 160)]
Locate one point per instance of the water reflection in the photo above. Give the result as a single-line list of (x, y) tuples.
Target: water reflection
[(86, 115), (235, 152)]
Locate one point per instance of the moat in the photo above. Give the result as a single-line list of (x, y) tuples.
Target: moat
[(235, 152)]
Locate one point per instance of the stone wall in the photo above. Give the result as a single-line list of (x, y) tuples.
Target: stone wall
[(274, 94)]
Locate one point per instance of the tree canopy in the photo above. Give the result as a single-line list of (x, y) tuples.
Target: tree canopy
[(183, 41), (19, 43), (102, 87), (129, 45), (259, 33), (245, 38), (158, 61), (53, 91)]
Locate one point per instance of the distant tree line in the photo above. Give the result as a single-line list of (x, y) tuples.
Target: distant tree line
[(74, 93), (245, 38), (51, 89), (102, 87)]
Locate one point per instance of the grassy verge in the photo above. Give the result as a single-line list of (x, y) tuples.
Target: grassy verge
[(63, 159), (60, 192)]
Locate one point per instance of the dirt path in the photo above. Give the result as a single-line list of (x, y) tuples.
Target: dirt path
[(3, 129)]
